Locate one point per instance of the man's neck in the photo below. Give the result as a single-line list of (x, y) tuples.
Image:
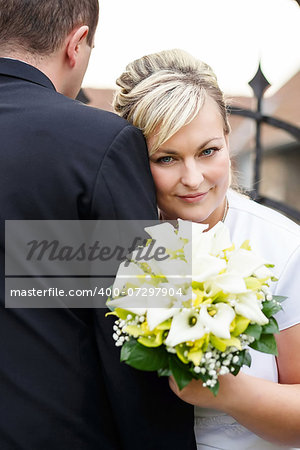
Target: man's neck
[(49, 65), (14, 59), (23, 56)]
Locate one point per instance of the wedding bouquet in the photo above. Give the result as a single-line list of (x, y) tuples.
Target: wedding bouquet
[(194, 309)]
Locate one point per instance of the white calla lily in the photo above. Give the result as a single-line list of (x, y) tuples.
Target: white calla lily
[(211, 242), (165, 236), (199, 228), (244, 262), (188, 249), (184, 229), (155, 316), (184, 329), (248, 306), (128, 273), (161, 300), (206, 266), (190, 230), (130, 303), (263, 272), (220, 238), (171, 268), (219, 323), (201, 244), (230, 283)]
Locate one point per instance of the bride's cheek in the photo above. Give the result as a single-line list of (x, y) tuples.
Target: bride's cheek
[(163, 179), (221, 171)]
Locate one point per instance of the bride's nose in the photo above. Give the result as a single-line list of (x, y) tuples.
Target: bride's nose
[(191, 175)]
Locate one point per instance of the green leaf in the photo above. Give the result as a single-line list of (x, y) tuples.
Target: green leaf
[(126, 349), (247, 358), (144, 358), (271, 307), (279, 298), (266, 344), (166, 372), (180, 371), (271, 327), (215, 389), (236, 369), (244, 360), (254, 330)]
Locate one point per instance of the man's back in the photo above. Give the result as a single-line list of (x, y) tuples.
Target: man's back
[(69, 148), (52, 149), (62, 385)]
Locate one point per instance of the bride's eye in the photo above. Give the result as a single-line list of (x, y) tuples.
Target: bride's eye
[(165, 160), (209, 151)]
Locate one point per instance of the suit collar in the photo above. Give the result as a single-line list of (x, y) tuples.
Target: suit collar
[(20, 69)]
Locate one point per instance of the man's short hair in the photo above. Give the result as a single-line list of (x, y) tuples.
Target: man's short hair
[(40, 26)]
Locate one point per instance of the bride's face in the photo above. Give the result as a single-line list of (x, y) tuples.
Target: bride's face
[(191, 170)]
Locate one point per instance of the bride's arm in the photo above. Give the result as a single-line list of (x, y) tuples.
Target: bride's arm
[(270, 410)]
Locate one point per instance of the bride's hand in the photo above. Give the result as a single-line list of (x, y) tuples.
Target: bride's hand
[(195, 394)]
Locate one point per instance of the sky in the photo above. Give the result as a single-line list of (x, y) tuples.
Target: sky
[(230, 35)]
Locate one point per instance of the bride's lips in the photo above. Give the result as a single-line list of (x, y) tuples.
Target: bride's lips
[(192, 198)]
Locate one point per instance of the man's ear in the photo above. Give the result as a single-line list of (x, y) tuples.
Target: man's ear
[(75, 39)]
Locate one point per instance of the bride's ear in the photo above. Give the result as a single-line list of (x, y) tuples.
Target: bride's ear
[(74, 44)]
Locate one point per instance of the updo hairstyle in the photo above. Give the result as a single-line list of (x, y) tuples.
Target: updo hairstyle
[(162, 92)]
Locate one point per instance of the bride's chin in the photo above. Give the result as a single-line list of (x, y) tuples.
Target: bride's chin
[(189, 216), (193, 218)]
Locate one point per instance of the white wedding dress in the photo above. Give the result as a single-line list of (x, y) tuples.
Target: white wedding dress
[(277, 239)]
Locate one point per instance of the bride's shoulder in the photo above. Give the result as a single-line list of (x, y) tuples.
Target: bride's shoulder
[(250, 212)]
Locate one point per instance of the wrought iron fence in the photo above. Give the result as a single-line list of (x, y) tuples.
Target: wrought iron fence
[(259, 85)]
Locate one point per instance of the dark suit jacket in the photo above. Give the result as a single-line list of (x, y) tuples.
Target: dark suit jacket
[(62, 386)]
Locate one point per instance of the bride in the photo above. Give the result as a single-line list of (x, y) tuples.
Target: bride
[(176, 101)]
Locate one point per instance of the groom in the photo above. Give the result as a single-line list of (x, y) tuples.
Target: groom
[(62, 386)]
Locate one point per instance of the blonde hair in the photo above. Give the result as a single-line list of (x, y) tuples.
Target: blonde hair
[(162, 92)]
